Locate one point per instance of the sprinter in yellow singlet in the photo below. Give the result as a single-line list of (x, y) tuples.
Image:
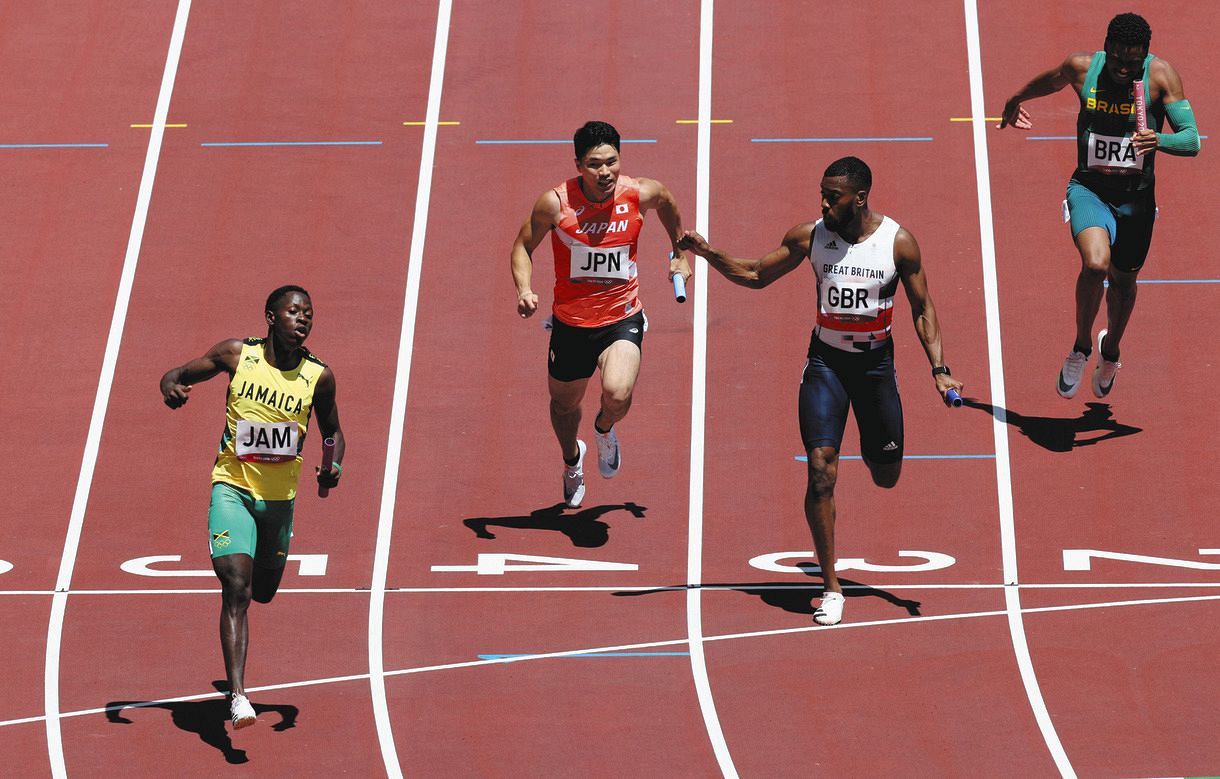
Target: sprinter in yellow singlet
[(275, 386)]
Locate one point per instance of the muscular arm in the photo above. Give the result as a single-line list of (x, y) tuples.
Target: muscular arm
[(923, 312), (755, 274), (655, 196), (1071, 71), (177, 382), (541, 220), (1167, 87), (326, 411)]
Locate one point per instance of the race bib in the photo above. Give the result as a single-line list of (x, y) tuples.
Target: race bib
[(607, 265), (1113, 154), (844, 299), (266, 442)]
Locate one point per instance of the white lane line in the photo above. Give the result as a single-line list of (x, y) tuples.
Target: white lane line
[(402, 380), (694, 544), (636, 589), (101, 401), (677, 642), (1008, 542)]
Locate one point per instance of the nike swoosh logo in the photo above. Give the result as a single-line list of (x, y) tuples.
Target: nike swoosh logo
[(1062, 386)]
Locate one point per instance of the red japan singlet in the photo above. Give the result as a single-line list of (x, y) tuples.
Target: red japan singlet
[(594, 246)]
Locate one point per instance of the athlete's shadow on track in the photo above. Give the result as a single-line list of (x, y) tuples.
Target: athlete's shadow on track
[(206, 719), (1062, 434), (797, 599), (584, 527)]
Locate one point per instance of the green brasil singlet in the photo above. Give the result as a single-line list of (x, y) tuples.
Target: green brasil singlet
[(1105, 157)]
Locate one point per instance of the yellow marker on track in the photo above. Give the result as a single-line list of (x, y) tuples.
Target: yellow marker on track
[(147, 126), (971, 118), (421, 124), (696, 121)]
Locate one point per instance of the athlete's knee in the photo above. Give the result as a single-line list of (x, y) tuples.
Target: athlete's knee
[(266, 583), (616, 397), (1122, 283), (236, 594), (885, 474), (823, 472), (561, 407)]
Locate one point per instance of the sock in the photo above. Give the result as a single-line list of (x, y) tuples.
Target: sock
[(597, 427), (1087, 351), (572, 463), (1103, 351)]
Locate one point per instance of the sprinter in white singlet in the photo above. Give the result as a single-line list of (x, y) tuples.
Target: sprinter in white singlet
[(859, 257)]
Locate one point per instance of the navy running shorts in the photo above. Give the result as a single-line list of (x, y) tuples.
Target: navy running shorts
[(834, 379)]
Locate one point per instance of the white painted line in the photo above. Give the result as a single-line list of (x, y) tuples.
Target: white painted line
[(999, 426), (634, 588), (398, 415), (101, 401), (632, 647), (694, 544)]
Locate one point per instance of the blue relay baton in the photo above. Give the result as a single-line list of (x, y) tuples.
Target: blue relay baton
[(953, 399), (679, 285)]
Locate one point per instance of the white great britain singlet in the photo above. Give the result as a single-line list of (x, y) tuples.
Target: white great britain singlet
[(856, 285)]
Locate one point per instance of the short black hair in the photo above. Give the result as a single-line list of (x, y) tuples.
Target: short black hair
[(594, 134), (859, 177), (1129, 30), (280, 292)]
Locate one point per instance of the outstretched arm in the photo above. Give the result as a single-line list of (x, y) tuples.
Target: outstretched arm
[(326, 409), (1070, 71), (177, 382), (540, 221), (755, 274), (655, 196), (927, 326)]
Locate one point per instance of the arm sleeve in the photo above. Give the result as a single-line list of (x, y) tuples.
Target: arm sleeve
[(1185, 141)]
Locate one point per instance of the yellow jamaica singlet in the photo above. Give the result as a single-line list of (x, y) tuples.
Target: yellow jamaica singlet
[(267, 416)]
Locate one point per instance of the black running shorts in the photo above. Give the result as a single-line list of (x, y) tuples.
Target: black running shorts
[(574, 350)]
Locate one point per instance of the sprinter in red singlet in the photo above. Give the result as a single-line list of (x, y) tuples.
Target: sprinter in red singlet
[(597, 320), (859, 257)]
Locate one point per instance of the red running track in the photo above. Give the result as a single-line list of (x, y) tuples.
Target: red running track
[(922, 676)]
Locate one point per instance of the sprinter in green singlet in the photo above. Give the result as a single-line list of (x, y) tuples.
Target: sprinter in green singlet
[(1111, 200), (275, 386)]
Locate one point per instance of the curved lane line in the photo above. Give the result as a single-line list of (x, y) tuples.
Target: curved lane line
[(398, 415), (999, 426), (694, 544), (630, 648), (101, 400)]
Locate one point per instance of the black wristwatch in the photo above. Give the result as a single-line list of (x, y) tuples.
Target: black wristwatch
[(939, 369)]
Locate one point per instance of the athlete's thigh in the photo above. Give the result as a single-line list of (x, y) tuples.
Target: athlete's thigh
[(620, 366), (1086, 211), (1135, 222), (878, 410), (231, 525), (821, 406), (273, 518), (571, 354)]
